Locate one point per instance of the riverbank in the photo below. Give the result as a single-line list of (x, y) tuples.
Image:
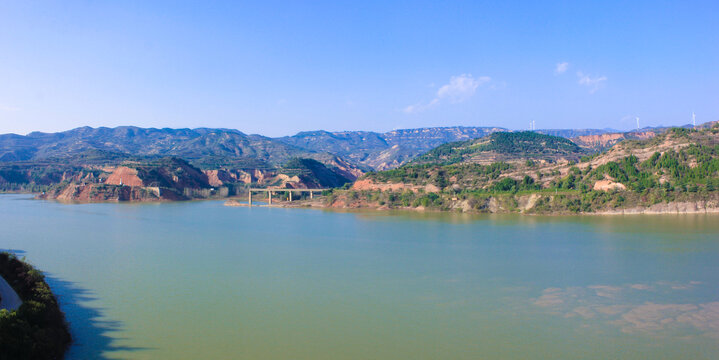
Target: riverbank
[(533, 203), (538, 203), (36, 328)]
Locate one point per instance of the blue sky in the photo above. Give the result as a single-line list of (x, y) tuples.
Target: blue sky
[(276, 68)]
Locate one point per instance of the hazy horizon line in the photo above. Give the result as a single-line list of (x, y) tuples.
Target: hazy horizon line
[(350, 131)]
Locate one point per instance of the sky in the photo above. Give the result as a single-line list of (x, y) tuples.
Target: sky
[(277, 68)]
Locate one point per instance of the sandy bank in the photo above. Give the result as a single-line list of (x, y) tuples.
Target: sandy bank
[(524, 206)]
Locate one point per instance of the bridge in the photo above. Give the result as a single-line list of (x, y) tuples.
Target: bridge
[(271, 190)]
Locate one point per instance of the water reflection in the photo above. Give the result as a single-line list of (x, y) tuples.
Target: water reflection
[(651, 224), (94, 336)]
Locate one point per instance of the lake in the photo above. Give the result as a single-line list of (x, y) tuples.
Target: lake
[(196, 280)]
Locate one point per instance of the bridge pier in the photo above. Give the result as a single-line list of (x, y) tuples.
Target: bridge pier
[(270, 191)]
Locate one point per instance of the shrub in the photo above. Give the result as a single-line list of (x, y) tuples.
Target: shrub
[(37, 330)]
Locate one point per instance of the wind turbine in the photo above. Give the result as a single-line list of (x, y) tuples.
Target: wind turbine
[(637, 122), (694, 119)]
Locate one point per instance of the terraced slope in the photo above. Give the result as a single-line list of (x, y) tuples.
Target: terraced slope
[(675, 171), (504, 147)]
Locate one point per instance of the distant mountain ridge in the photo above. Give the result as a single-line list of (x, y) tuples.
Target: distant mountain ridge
[(38, 160), (353, 151), (382, 151), (192, 144), (212, 148)]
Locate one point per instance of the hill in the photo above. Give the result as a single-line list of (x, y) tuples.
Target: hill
[(381, 151), (168, 178), (506, 147), (229, 158), (674, 171), (312, 174), (356, 151), (232, 160), (197, 145)]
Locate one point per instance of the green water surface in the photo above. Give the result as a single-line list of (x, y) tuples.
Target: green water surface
[(199, 280)]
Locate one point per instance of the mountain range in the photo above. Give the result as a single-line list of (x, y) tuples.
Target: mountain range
[(83, 159), (356, 151)]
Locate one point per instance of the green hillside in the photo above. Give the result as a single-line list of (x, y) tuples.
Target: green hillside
[(680, 166), (504, 146)]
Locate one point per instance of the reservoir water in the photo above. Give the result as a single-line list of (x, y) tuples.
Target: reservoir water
[(199, 280)]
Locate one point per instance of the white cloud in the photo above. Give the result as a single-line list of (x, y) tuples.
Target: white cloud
[(593, 83), (459, 89), (561, 68)]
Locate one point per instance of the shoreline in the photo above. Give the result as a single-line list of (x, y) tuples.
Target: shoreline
[(672, 208), (37, 328)]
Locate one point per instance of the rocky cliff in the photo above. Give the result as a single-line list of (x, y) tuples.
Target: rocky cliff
[(162, 179)]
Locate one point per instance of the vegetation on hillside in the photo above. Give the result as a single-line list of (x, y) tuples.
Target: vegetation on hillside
[(681, 165), (125, 140), (38, 161), (510, 145), (380, 151), (37, 330), (469, 175)]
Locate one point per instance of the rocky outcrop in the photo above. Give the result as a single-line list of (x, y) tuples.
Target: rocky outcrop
[(527, 202), (605, 141), (258, 177), (124, 175), (685, 207), (224, 176), (599, 141), (160, 180), (368, 184), (344, 168), (607, 185), (105, 192), (536, 204)]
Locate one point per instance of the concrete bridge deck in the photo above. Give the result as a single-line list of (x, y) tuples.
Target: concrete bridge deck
[(271, 190)]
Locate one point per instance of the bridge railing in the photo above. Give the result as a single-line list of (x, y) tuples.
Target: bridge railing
[(271, 190)]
